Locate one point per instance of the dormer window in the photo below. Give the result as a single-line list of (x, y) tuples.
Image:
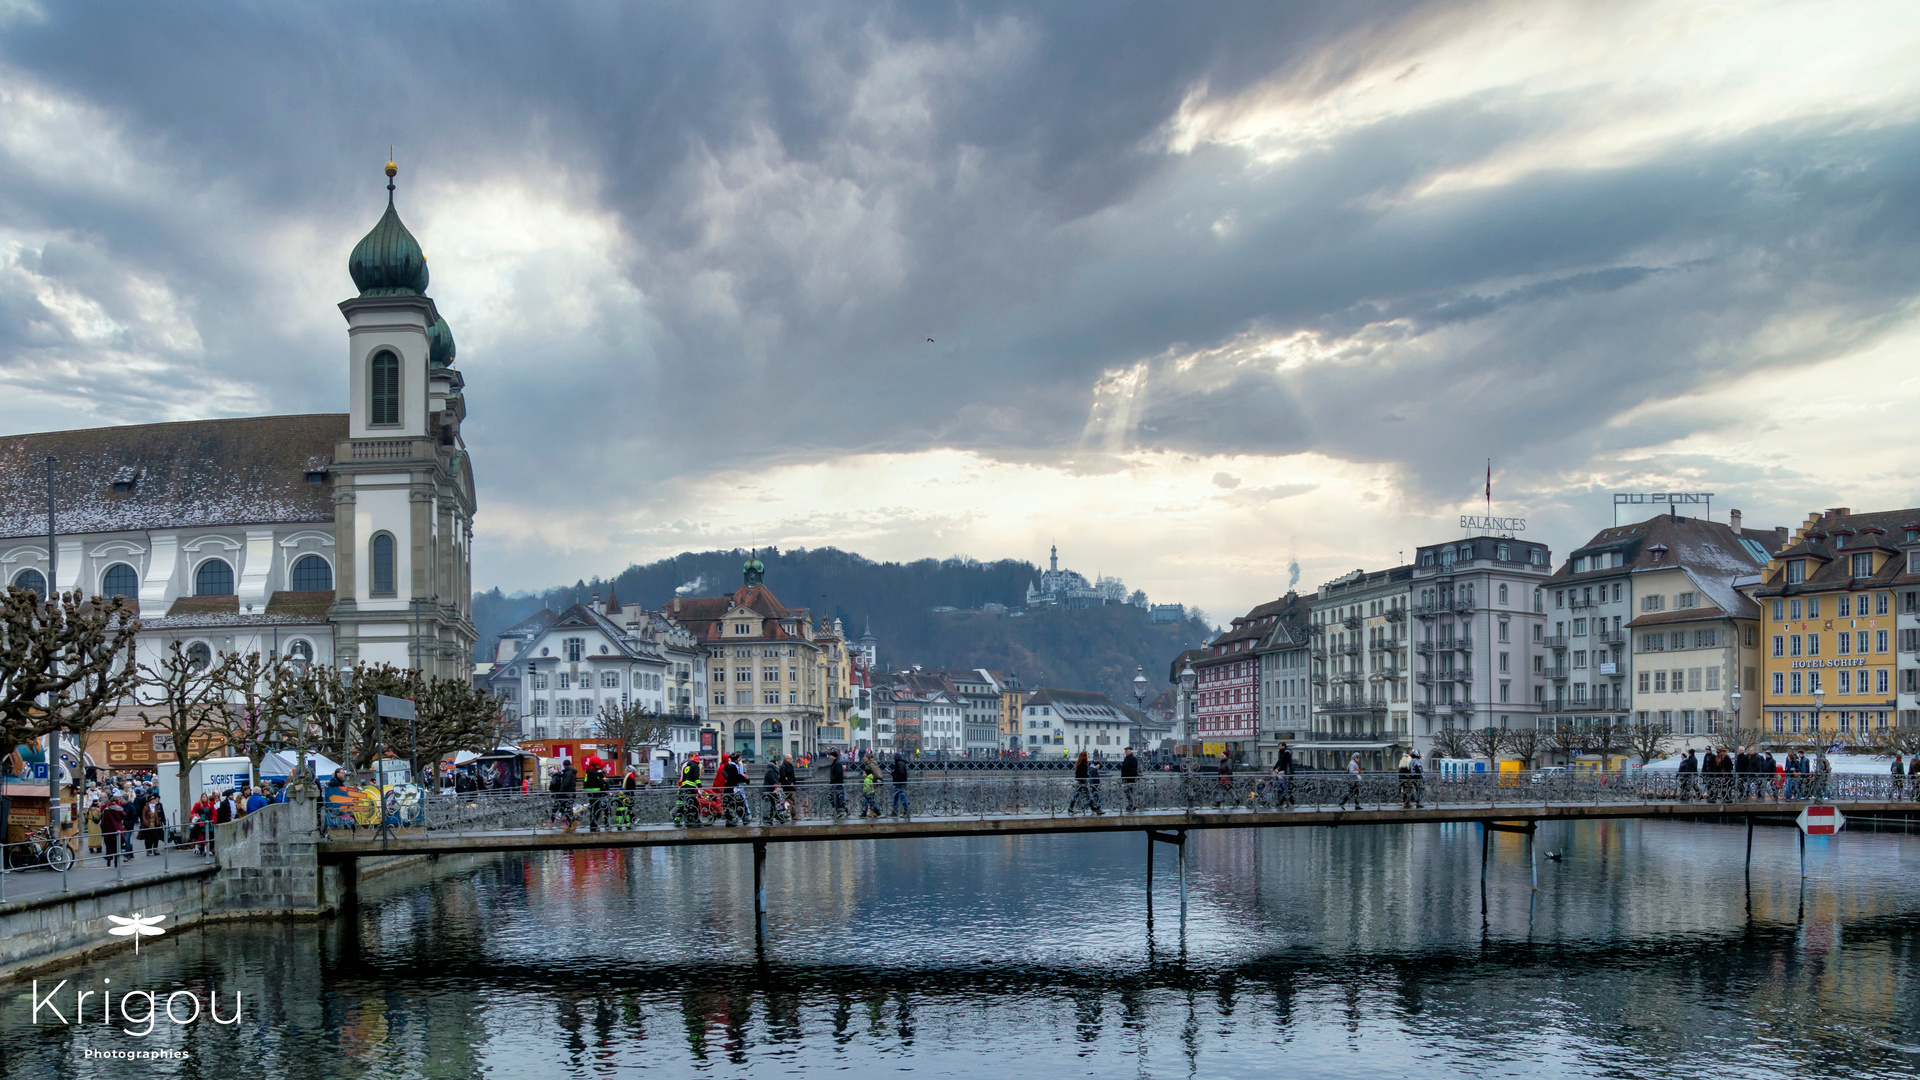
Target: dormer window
[(314, 476), (1863, 564), (1796, 571)]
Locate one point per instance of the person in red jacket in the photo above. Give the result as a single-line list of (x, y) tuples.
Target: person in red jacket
[(113, 821)]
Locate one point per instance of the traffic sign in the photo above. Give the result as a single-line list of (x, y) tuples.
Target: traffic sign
[(1821, 820)]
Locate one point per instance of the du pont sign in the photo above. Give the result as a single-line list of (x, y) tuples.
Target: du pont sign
[(1493, 524)]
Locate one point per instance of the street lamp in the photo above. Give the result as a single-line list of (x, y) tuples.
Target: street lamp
[(1189, 682), (1819, 702), (1140, 692)]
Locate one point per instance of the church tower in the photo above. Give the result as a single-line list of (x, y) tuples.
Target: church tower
[(402, 483)]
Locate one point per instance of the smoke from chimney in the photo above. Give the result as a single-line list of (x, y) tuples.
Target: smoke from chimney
[(691, 587)]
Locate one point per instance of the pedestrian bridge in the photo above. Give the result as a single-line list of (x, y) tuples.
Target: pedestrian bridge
[(1168, 803)]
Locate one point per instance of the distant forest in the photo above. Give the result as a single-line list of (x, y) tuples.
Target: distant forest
[(1095, 649)]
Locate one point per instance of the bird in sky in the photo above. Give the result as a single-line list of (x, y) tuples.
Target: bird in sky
[(929, 341)]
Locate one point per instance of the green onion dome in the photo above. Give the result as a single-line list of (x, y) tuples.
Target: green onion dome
[(440, 350), (388, 261)]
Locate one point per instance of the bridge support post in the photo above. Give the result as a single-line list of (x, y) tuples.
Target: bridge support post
[(1183, 881), (1533, 857), (759, 888), (1149, 881), (1749, 845), (1486, 839), (1803, 856)]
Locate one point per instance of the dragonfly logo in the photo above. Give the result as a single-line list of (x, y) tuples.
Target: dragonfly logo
[(136, 926)]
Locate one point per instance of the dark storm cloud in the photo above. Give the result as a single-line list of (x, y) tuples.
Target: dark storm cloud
[(802, 195)]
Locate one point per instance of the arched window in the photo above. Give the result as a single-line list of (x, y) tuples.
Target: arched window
[(199, 655), (33, 581), (120, 580), (382, 552), (312, 574), (214, 578), (383, 389)]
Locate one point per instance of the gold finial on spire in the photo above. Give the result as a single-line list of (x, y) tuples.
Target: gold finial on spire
[(392, 169)]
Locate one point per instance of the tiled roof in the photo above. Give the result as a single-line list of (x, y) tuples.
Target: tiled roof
[(1826, 540), (243, 471), (1711, 547), (701, 615), (313, 605), (205, 605)]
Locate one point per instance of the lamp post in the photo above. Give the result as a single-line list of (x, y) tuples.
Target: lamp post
[(1189, 682), (1140, 693), (1819, 703)]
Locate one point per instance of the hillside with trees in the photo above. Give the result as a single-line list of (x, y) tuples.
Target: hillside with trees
[(1096, 649)]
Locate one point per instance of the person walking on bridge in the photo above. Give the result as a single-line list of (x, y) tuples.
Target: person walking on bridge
[(1129, 776), (1224, 796), (1898, 776), (869, 785), (1353, 782), (1687, 773), (771, 781), (837, 783), (562, 788), (1081, 793), (901, 807)]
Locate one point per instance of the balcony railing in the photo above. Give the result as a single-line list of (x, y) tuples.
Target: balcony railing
[(1396, 614), (384, 450), (1318, 652), (1557, 673), (1463, 606), (1424, 678), (1351, 622), (1350, 648), (1612, 637), (1554, 641), (1319, 678), (1464, 644), (1463, 675), (1578, 602), (1427, 611), (1424, 648)]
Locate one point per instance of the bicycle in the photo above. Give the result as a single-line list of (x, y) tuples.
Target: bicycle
[(41, 848)]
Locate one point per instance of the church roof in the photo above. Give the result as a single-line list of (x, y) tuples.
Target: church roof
[(193, 473)]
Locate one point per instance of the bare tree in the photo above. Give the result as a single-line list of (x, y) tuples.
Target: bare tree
[(1647, 741), (1450, 742), (1606, 739), (63, 663), (454, 715), (1486, 742), (1527, 744), (188, 690), (255, 720), (1571, 742), (630, 724)]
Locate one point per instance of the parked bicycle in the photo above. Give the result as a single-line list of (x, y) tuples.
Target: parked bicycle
[(41, 848)]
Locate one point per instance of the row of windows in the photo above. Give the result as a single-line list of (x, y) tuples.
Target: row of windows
[(1785, 721), (1847, 606), (1845, 682), (609, 680), (214, 577), (745, 697), (1690, 680), (1845, 643)]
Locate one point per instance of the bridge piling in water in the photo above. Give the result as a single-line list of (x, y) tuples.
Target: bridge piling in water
[(1178, 839), (760, 888)]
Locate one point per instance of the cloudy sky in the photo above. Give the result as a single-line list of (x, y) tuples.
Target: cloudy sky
[(1213, 288)]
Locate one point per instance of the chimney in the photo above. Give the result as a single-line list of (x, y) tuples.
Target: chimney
[(598, 609), (1779, 537), (1733, 520), (1838, 511)]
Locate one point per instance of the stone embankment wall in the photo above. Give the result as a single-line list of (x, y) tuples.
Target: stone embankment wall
[(266, 866)]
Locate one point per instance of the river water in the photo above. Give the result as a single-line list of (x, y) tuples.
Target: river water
[(1352, 952)]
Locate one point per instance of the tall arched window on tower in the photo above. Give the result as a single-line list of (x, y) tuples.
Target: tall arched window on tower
[(213, 578), (312, 574), (383, 389), (382, 552)]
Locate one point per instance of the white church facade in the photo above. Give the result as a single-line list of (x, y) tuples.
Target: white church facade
[(336, 537)]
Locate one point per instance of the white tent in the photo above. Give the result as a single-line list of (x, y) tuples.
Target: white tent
[(465, 756), (278, 765)]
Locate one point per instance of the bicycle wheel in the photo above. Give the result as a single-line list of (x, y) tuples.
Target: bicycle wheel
[(60, 858)]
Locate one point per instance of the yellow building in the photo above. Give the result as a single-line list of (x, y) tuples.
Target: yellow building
[(1828, 612)]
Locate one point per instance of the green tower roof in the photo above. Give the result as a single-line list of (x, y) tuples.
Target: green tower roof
[(440, 350), (388, 261)]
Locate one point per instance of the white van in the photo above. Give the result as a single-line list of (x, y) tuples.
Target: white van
[(210, 775)]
